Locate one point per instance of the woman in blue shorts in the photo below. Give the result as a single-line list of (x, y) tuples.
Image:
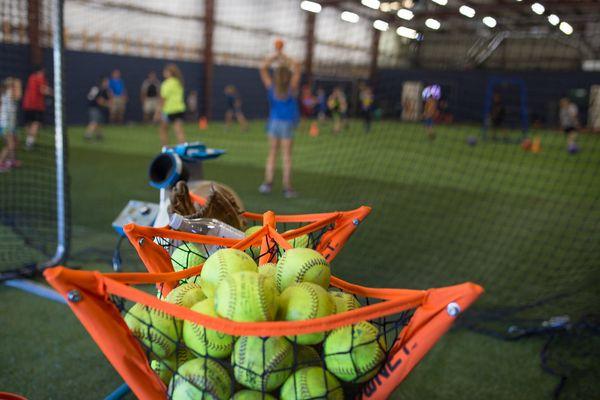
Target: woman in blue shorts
[(282, 92)]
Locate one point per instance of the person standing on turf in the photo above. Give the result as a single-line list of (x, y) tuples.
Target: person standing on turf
[(497, 115), (338, 106), (98, 101), (149, 96), (192, 106), (34, 104), (10, 94), (569, 120), (233, 104), (172, 104), (367, 105), (321, 104), (282, 92), (429, 114), (308, 102), (118, 102)]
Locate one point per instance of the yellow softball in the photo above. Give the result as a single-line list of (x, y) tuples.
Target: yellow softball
[(302, 265), (262, 363), (206, 341), (304, 301), (247, 297), (343, 301), (186, 295), (222, 264), (165, 368), (201, 378), (312, 383), (354, 353), (158, 331)]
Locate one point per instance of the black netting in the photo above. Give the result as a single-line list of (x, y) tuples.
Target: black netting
[(470, 127), (476, 143), (28, 165)]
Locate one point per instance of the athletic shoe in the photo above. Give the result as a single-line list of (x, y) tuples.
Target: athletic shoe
[(265, 188), (290, 193)]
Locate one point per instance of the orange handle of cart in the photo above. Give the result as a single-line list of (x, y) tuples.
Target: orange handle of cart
[(105, 324)]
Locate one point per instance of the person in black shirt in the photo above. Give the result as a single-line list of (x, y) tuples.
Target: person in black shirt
[(98, 100), (497, 115), (149, 96), (233, 102)]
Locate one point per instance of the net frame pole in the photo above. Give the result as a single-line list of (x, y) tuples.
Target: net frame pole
[(374, 56), (33, 32), (60, 139), (310, 47), (207, 79)]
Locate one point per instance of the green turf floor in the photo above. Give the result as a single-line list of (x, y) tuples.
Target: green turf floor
[(523, 225)]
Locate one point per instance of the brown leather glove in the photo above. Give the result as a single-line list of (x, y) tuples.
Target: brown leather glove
[(220, 205), (180, 200)]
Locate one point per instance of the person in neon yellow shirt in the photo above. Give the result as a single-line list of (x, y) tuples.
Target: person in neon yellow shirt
[(172, 104)]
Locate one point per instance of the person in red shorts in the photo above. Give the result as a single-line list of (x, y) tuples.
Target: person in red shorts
[(34, 104)]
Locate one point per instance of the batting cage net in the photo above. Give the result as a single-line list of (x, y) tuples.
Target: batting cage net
[(257, 333), (470, 129), (33, 210), (475, 148)]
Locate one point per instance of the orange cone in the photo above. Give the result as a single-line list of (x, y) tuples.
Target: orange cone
[(536, 145), (203, 123), (314, 129)]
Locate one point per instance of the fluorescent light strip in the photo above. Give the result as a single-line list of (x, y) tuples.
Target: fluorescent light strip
[(566, 28), (405, 14), (553, 19), (538, 8), (467, 11), (407, 32), (381, 25), (374, 4), (489, 21), (350, 17), (440, 2), (432, 24), (310, 6)]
